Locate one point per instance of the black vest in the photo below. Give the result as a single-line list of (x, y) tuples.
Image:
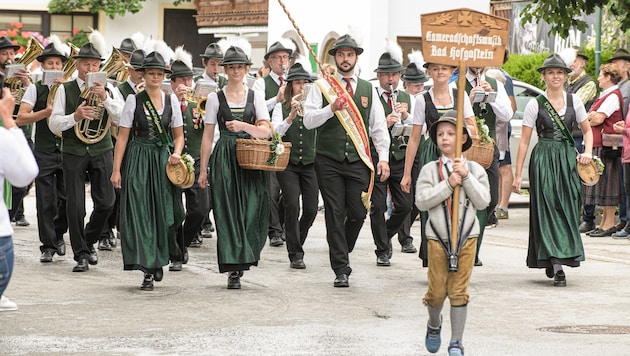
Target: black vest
[(225, 113), (141, 123), (545, 124), (45, 140)]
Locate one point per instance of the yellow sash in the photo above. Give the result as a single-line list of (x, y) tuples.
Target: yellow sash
[(352, 122)]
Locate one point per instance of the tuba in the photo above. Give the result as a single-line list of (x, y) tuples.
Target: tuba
[(68, 70), (93, 131), (33, 50), (116, 66)]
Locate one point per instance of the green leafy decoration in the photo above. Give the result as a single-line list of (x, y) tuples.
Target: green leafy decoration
[(567, 14), (111, 8), (276, 147)]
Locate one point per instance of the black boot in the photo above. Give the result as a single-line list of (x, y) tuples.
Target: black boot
[(147, 283)]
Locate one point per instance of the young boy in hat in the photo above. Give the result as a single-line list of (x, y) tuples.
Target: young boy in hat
[(450, 266)]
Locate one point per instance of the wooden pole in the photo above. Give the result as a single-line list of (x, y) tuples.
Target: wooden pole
[(461, 88)]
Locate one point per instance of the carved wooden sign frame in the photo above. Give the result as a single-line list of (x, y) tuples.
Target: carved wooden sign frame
[(466, 35)]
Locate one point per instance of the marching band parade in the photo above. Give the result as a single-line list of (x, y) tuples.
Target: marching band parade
[(169, 153)]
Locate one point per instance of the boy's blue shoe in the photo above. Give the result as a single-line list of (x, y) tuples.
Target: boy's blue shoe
[(455, 348), (433, 340)]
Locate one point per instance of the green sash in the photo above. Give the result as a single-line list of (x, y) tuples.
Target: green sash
[(556, 118), (8, 197), (155, 119)]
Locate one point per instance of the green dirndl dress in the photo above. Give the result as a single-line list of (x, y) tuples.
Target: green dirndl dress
[(554, 205), (151, 208), (240, 204)]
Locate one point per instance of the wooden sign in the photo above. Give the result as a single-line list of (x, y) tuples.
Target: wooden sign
[(464, 35)]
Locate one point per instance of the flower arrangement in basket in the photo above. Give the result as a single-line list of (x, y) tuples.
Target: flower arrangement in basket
[(482, 149), (182, 175), (264, 155)]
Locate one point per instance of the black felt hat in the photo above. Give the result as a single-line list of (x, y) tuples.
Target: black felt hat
[(88, 51), (450, 117), (235, 55), (345, 41), (580, 53), (136, 59), (127, 45), (154, 60), (297, 72), (5, 42), (277, 47), (413, 74), (51, 51), (213, 51), (180, 69), (554, 61), (620, 53), (387, 64)]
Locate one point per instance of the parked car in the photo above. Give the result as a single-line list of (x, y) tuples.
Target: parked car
[(523, 93)]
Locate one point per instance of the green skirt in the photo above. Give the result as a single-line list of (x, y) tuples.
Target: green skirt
[(151, 208), (240, 206), (554, 206)]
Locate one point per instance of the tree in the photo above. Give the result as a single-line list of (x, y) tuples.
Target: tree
[(566, 14), (111, 8)]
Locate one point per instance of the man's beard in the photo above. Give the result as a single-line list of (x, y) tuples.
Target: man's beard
[(342, 71)]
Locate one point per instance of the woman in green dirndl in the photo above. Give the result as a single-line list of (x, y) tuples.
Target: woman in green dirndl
[(428, 108), (555, 191), (240, 196), (150, 208)]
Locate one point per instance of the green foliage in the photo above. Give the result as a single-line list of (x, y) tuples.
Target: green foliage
[(523, 67), (111, 8), (565, 14)]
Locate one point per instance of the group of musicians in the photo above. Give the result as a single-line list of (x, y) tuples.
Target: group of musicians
[(344, 147)]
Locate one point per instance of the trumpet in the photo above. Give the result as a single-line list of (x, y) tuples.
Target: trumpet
[(400, 131), (300, 98), (200, 101)]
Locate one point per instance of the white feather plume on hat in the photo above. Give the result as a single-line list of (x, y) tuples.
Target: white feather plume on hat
[(236, 42), (568, 55), (162, 48), (417, 58), (355, 33), (184, 56), (394, 50), (59, 46), (306, 64), (98, 40), (287, 43), (138, 39)]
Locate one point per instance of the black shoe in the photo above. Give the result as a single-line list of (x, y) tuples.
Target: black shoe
[(47, 256), (478, 262), (620, 226), (22, 222), (210, 226), (196, 242), (298, 264), (82, 266), (341, 281), (549, 272), (604, 233), (159, 274), (492, 220), (93, 259), (185, 258), (61, 247), (382, 260), (276, 241), (112, 239), (175, 266), (147, 282), (586, 227), (560, 280), (408, 248), (234, 280), (595, 230), (103, 245), (207, 231)]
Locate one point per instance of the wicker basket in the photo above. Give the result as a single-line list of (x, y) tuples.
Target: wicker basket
[(254, 153), (480, 153)]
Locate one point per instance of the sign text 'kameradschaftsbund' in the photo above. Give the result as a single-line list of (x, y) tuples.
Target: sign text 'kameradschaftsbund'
[(464, 35)]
